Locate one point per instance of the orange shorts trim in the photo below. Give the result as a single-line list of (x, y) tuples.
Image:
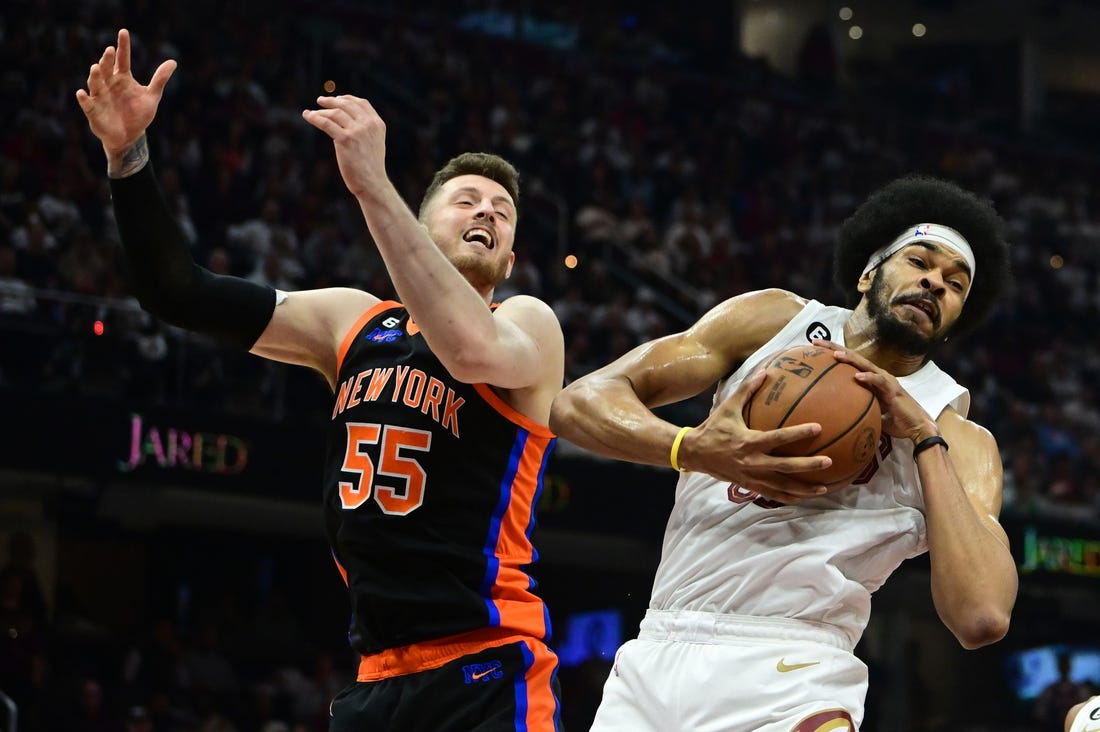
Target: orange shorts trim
[(433, 653)]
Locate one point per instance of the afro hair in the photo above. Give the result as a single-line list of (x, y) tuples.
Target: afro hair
[(918, 199)]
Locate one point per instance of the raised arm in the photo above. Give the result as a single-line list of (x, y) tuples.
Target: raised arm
[(306, 329), (520, 347), (610, 410), (119, 108)]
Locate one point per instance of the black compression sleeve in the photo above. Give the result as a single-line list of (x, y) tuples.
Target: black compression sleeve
[(165, 278)]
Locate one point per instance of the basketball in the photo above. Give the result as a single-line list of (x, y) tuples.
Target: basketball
[(807, 384)]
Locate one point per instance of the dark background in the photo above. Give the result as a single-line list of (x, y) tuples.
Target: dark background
[(682, 153)]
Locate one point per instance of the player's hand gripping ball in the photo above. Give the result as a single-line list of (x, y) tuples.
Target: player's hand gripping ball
[(807, 384)]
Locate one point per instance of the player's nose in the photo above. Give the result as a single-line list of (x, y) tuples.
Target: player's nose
[(933, 281), (484, 210)]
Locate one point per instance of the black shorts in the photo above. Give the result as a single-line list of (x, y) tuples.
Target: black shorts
[(508, 688)]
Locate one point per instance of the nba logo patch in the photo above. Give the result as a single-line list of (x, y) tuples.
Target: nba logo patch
[(476, 673)]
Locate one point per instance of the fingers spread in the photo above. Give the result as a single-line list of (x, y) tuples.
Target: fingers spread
[(161, 76), (122, 61), (107, 61), (95, 80)]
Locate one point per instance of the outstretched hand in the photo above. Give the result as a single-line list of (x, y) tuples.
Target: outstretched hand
[(725, 447), (359, 135), (118, 107)]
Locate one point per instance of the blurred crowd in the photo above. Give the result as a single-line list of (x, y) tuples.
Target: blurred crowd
[(668, 177), (670, 188), (228, 660)]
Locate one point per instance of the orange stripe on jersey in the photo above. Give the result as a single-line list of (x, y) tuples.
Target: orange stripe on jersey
[(510, 593), (510, 413), (349, 337), (340, 568), (430, 654), (542, 714)]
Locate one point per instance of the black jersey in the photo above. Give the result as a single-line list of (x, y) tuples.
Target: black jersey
[(429, 493)]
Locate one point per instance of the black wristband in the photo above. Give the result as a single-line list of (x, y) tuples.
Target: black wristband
[(928, 442)]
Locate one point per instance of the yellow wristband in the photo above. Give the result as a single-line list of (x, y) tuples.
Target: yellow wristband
[(672, 458)]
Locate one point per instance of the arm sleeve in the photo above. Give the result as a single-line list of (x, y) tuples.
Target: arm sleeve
[(167, 282)]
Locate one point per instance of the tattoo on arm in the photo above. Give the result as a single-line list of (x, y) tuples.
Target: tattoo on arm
[(132, 161)]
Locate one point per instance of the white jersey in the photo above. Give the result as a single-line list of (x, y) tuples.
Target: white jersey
[(1088, 719), (817, 560)]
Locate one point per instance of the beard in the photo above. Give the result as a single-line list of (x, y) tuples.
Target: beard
[(894, 332), (479, 272)]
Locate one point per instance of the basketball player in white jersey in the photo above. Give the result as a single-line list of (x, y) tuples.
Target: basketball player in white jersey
[(765, 582), (1084, 717)]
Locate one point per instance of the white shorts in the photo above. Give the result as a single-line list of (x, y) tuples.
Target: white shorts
[(1088, 719), (703, 672)]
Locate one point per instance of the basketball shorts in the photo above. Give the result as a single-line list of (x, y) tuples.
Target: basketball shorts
[(704, 672), (507, 688), (1088, 719)]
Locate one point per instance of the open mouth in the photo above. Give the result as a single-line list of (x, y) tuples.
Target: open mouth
[(481, 236), (928, 307)]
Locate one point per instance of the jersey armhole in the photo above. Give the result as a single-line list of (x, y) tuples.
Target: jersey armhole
[(363, 319)]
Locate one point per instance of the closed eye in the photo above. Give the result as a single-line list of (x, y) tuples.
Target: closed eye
[(502, 214)]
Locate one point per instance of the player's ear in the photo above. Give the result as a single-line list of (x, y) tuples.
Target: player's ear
[(511, 261), (864, 284)]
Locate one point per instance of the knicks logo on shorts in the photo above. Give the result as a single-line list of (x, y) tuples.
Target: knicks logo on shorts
[(833, 720), (482, 672)]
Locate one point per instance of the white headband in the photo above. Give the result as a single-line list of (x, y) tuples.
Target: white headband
[(938, 233)]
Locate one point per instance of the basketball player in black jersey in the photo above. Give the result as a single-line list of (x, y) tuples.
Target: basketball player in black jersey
[(438, 437)]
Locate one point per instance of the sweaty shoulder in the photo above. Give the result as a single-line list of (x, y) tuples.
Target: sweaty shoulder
[(740, 325), (950, 420)]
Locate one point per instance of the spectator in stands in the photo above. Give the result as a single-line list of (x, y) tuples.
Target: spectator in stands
[(1059, 696)]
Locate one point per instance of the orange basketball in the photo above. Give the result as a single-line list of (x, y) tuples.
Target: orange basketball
[(807, 384)]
